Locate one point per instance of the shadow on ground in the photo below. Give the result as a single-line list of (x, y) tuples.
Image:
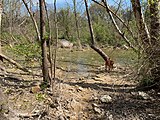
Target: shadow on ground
[(17, 83)]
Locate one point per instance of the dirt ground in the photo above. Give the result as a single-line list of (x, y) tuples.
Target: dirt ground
[(80, 92)]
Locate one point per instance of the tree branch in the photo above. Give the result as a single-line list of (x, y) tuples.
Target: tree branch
[(110, 12), (14, 63), (120, 19), (117, 27), (98, 50), (34, 21)]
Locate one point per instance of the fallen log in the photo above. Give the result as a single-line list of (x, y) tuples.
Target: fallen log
[(4, 57)]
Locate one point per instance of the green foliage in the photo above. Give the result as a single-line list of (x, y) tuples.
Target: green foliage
[(97, 12), (123, 57), (40, 96), (146, 81), (44, 85), (65, 19), (100, 33), (103, 35), (85, 36), (150, 2), (12, 38), (28, 51), (46, 36)]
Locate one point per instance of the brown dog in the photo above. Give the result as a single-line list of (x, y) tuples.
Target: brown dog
[(109, 64)]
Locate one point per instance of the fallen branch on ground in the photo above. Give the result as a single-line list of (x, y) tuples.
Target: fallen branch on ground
[(38, 114), (14, 63)]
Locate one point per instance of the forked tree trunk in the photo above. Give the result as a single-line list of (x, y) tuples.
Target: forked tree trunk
[(43, 42), (56, 40)]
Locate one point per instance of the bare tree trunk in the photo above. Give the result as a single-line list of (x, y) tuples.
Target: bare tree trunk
[(0, 23), (93, 46), (10, 17), (155, 22), (155, 40), (49, 44), (144, 69), (33, 19), (56, 41), (150, 41), (43, 42), (90, 24), (142, 27), (30, 5), (55, 45), (77, 26)]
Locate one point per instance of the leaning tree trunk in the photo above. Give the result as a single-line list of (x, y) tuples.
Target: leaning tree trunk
[(155, 40), (33, 19), (116, 26), (43, 42), (93, 46)]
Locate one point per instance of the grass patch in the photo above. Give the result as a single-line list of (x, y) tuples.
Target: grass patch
[(66, 57), (122, 57), (40, 97)]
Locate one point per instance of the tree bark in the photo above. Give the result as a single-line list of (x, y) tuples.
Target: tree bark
[(56, 40), (142, 27), (93, 46), (90, 24), (49, 38), (155, 22), (155, 40), (77, 26), (43, 42), (150, 41), (0, 23)]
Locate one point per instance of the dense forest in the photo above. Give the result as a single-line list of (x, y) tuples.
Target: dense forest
[(79, 60)]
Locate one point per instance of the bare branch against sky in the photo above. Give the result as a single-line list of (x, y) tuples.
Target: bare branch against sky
[(112, 2)]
